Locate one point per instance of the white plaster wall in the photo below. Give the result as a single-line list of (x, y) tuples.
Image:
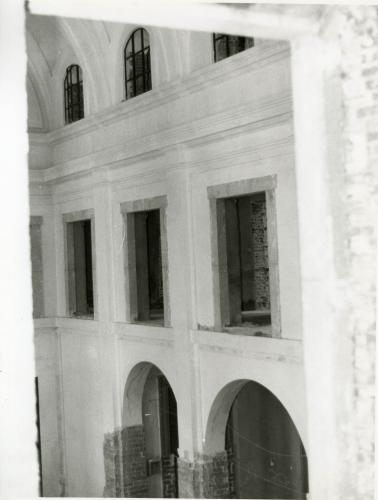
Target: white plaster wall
[(41, 205), (35, 118), (82, 380), (50, 411)]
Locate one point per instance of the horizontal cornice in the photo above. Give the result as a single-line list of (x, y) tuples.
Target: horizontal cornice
[(256, 114), (244, 119), (244, 62)]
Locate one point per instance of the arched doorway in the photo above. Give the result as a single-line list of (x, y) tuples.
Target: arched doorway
[(150, 403), (266, 456)]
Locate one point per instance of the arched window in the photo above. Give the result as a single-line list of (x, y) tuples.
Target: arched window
[(228, 45), (137, 63), (73, 94)]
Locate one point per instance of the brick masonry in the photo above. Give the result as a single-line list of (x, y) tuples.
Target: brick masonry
[(134, 462), (112, 460), (169, 473), (206, 477), (260, 254), (125, 463)]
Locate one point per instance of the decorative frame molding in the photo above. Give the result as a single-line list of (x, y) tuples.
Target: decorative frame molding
[(218, 192), (127, 209), (70, 292)]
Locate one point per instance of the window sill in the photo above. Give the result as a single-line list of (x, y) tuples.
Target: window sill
[(250, 331), (247, 331), (82, 316), (152, 322)]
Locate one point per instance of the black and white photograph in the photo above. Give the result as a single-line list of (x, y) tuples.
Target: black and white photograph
[(188, 249)]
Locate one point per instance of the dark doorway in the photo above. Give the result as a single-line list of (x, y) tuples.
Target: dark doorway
[(169, 438), (148, 263), (266, 455), (80, 267), (161, 436)]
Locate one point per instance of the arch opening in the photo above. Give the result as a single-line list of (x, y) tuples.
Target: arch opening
[(266, 458), (151, 429), (137, 62), (73, 94)]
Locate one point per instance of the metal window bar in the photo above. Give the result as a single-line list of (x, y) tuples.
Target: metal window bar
[(137, 64), (73, 95), (243, 44)]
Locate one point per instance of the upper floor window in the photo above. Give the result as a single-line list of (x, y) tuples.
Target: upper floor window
[(80, 264), (245, 257), (146, 261), (228, 45), (137, 63), (73, 94)]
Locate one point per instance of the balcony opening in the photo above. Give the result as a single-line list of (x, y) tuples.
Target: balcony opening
[(247, 262), (80, 272), (148, 284)]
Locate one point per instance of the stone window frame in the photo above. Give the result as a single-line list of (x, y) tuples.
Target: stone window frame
[(215, 193), (37, 220), (141, 205), (69, 281)]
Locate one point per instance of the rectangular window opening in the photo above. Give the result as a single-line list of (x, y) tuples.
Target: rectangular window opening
[(147, 287), (80, 269), (246, 261)]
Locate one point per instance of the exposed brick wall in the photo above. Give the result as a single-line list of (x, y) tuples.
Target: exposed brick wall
[(36, 264), (125, 463), (216, 480), (207, 477), (134, 462), (187, 482), (260, 254), (231, 473), (112, 461), (169, 473)]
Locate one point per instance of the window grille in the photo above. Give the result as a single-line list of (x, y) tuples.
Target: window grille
[(228, 45), (137, 63), (73, 94)]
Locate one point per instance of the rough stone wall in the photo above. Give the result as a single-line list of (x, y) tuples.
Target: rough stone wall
[(207, 477), (125, 463), (36, 264), (357, 32)]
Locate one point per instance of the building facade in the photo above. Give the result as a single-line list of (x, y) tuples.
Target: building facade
[(166, 263)]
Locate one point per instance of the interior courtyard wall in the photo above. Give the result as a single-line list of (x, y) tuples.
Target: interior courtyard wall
[(184, 145)]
